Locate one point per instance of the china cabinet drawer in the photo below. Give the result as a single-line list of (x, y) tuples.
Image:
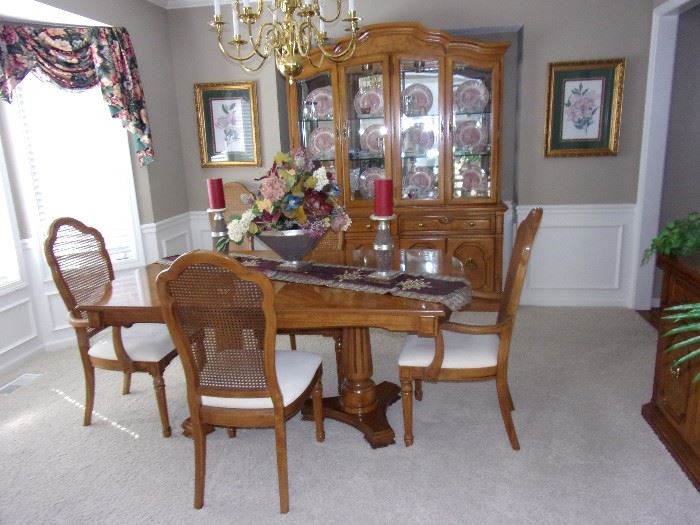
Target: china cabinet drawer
[(447, 223), (362, 225)]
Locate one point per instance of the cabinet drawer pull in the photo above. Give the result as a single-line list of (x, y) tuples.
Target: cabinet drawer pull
[(676, 372), (421, 225), (368, 226), (472, 224), (471, 264), (444, 220)]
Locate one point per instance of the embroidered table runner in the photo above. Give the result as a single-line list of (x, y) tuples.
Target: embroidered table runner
[(453, 292)]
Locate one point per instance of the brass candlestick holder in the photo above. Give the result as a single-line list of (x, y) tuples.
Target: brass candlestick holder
[(219, 229), (383, 248)]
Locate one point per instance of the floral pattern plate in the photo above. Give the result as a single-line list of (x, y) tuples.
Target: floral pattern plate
[(367, 179), (471, 136), (418, 99), (322, 100), (369, 103), (421, 178), (322, 142), (472, 176), (372, 140), (417, 139), (471, 96)]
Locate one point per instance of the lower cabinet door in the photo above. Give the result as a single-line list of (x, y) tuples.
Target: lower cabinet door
[(477, 256), (422, 244)]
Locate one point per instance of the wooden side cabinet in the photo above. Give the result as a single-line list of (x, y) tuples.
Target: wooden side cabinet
[(674, 409)]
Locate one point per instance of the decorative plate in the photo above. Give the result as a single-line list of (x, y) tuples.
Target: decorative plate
[(322, 99), (369, 103), (372, 140), (472, 175), (422, 179), (322, 142), (417, 100), (367, 179), (471, 96), (417, 139), (471, 136)]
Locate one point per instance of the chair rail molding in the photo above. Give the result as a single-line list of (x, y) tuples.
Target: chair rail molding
[(582, 256)]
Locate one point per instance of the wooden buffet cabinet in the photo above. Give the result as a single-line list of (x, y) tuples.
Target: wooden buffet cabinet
[(674, 409), (423, 108)]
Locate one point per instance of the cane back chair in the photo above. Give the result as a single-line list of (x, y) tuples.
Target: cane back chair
[(221, 316), (462, 352), (81, 269)]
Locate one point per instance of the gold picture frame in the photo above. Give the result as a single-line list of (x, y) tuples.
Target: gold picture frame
[(227, 118), (584, 108)]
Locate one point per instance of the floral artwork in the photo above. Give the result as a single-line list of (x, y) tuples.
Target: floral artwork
[(584, 108), (79, 58), (227, 118), (294, 194), (582, 104)]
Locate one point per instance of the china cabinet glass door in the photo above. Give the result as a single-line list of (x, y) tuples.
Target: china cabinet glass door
[(316, 126), (471, 127), (420, 129), (365, 129)]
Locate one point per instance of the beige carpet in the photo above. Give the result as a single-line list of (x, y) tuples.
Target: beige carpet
[(578, 376)]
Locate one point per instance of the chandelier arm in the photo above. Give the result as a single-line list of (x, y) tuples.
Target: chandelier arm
[(256, 42), (337, 14), (340, 56), (237, 57)]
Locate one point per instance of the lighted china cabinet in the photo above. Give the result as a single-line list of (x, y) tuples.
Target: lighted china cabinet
[(422, 108)]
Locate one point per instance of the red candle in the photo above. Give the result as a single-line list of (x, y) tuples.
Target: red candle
[(215, 187), (383, 197)]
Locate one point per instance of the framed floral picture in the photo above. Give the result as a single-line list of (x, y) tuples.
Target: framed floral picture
[(584, 106), (227, 118)]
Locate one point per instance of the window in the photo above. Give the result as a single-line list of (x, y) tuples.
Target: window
[(9, 260), (77, 158)]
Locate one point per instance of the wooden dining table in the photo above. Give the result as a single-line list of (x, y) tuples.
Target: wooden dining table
[(361, 403)]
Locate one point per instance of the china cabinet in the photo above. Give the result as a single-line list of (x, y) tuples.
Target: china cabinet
[(674, 409), (422, 108)]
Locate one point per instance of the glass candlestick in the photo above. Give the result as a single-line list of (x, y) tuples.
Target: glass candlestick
[(383, 247), (219, 229)]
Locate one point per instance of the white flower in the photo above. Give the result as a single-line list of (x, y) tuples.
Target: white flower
[(237, 228), (321, 178)]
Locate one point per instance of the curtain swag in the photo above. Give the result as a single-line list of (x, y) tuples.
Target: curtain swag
[(78, 58)]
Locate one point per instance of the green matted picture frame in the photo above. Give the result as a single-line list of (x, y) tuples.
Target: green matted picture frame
[(227, 118), (584, 106)]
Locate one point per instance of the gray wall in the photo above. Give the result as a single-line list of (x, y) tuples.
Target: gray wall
[(553, 30)]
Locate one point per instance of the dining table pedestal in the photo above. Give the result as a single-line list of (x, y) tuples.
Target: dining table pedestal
[(361, 403)]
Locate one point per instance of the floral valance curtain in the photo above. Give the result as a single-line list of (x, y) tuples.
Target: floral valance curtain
[(80, 58)]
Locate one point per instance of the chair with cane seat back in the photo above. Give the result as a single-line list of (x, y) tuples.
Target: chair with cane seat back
[(221, 316), (234, 192), (81, 269), (462, 352)]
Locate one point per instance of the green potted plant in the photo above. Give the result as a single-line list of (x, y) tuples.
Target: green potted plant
[(680, 237), (689, 315)]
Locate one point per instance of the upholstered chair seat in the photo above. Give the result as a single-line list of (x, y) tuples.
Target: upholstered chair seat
[(147, 342), (461, 351)]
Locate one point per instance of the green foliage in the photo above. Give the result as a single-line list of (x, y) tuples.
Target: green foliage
[(689, 315), (679, 237)]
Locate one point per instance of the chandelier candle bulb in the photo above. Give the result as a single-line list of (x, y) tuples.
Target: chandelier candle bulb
[(215, 188), (383, 197), (236, 22), (217, 7), (351, 5)]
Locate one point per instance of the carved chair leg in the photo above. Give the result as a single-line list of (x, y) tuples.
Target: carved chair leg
[(126, 385), (281, 442), (419, 389), (505, 405), (159, 387), (407, 404), (338, 338), (293, 341), (317, 403), (231, 432), (89, 372), (200, 463)]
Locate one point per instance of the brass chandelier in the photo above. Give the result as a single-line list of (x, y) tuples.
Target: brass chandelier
[(295, 27)]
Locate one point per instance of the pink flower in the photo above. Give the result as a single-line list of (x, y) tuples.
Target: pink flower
[(272, 188)]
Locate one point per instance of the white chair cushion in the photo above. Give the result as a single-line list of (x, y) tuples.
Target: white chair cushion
[(295, 371), (148, 342), (461, 350)]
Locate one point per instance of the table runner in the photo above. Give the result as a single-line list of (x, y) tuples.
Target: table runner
[(453, 292)]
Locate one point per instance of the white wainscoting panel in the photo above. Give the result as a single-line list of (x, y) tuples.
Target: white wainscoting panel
[(200, 229), (581, 256), (167, 237)]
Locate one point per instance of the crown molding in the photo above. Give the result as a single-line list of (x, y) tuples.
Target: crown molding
[(180, 4)]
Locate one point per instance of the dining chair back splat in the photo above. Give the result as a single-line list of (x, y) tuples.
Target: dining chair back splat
[(234, 192), (462, 352), (82, 271), (221, 316)]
